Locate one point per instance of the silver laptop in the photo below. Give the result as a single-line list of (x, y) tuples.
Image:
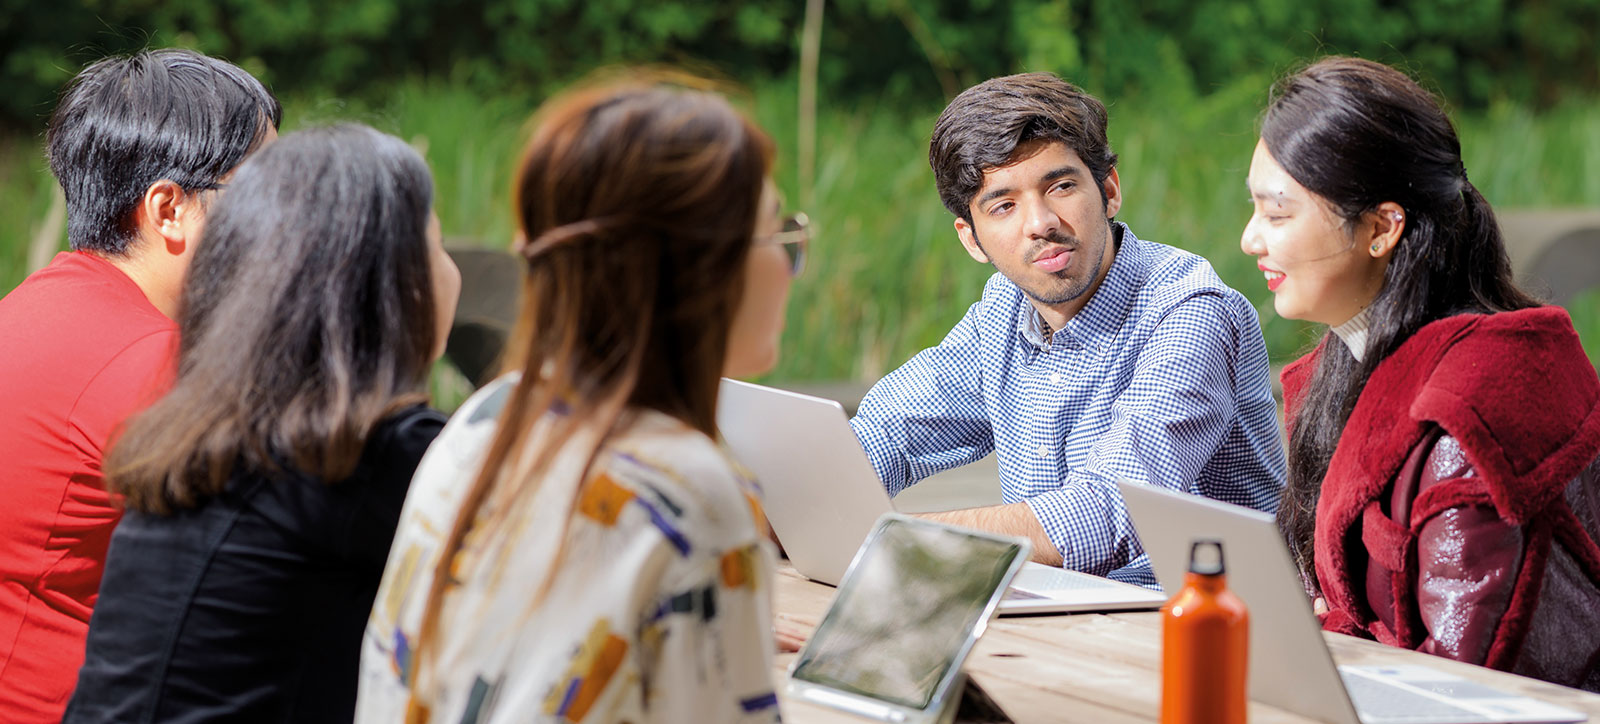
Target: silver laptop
[(1290, 667), (822, 497)]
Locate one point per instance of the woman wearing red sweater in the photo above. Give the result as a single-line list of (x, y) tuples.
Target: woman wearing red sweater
[(1443, 494)]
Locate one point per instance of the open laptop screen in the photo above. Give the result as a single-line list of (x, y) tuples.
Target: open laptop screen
[(908, 611)]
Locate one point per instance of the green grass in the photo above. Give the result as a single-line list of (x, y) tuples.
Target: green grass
[(886, 276), (890, 278), (26, 188), (1585, 309)]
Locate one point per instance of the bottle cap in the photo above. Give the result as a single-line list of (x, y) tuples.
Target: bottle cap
[(1205, 558)]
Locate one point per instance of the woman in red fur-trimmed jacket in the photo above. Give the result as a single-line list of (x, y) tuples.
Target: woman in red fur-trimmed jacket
[(1443, 486)]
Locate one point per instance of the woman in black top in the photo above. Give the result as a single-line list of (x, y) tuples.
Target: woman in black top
[(263, 490)]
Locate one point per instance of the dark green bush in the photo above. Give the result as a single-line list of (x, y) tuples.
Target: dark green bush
[(1474, 51)]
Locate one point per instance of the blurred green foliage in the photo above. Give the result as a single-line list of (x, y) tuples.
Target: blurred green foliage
[(886, 276), (1184, 81), (1478, 52)]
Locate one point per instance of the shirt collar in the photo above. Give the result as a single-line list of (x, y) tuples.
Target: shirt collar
[(1098, 322), (1032, 326), (1354, 332)]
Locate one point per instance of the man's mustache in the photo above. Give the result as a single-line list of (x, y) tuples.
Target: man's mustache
[(1055, 237)]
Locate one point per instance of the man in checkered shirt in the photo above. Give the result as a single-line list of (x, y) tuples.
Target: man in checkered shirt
[(1093, 355)]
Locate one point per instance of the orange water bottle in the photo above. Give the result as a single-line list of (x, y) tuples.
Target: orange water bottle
[(1205, 645)]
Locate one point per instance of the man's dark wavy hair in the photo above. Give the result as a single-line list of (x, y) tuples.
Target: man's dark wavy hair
[(983, 126)]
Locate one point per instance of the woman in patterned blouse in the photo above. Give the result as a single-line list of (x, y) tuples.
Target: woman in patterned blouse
[(577, 547)]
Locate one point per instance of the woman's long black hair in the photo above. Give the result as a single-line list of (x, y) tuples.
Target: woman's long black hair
[(1358, 133)]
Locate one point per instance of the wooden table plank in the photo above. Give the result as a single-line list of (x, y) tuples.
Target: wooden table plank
[(1105, 668)]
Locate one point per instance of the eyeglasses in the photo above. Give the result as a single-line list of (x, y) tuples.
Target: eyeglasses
[(794, 236)]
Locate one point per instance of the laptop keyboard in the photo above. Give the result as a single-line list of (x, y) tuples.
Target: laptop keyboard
[(1055, 579), (1390, 703)]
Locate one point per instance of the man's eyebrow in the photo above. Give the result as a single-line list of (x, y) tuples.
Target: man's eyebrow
[(992, 195), (1061, 173)]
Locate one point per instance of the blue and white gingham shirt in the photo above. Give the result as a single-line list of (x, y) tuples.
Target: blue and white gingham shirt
[(1162, 377)]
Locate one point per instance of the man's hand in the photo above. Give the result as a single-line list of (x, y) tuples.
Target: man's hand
[(1014, 519)]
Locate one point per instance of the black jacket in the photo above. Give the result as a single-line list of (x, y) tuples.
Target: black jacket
[(250, 607)]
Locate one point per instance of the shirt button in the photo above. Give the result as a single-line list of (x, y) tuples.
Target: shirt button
[(1044, 451), (1055, 378)]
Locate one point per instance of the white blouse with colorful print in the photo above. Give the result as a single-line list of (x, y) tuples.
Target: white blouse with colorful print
[(659, 608)]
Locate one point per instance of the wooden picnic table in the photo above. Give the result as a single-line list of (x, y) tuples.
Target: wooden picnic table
[(1105, 668)]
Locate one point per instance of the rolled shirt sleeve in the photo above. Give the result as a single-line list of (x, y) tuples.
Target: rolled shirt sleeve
[(928, 416)]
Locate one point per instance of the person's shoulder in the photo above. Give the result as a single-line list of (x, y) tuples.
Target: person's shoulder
[(478, 417), (75, 284), (1172, 276), (68, 270), (77, 317), (1541, 335), (486, 403), (998, 288), (1548, 327), (1001, 299), (1536, 349), (1515, 388), (687, 473), (144, 355), (1173, 271), (109, 383), (413, 425), (403, 436), (657, 446), (457, 447)]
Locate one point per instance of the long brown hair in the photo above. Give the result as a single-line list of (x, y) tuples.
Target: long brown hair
[(638, 201), (1358, 133), (307, 318)]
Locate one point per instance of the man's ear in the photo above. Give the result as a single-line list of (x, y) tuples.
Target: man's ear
[(1112, 187), (969, 241), (166, 212)]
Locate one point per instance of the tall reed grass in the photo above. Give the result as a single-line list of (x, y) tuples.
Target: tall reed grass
[(887, 276)]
